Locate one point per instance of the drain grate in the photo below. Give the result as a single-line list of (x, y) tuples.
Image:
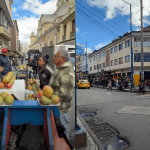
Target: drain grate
[(104, 131)]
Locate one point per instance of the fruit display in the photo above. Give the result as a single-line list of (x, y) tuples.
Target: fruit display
[(6, 98), (48, 98), (44, 96), (23, 67), (8, 81)]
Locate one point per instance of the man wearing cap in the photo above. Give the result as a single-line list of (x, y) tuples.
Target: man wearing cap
[(5, 62)]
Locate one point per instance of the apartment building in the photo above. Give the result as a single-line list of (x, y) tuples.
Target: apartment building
[(57, 28), (115, 58), (14, 44), (79, 49), (84, 65), (79, 66), (5, 23)]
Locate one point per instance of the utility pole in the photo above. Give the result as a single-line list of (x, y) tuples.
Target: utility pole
[(142, 56), (132, 68)]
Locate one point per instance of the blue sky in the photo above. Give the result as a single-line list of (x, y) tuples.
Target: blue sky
[(111, 19), (27, 14)]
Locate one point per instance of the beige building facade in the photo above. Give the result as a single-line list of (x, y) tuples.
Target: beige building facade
[(14, 43), (115, 58), (5, 23), (55, 29)]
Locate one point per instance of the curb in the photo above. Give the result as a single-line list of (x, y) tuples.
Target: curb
[(133, 91), (91, 133)]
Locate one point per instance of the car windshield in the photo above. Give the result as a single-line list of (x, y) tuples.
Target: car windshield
[(83, 80)]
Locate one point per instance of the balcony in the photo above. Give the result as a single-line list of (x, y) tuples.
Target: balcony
[(64, 37), (72, 35), (5, 33)]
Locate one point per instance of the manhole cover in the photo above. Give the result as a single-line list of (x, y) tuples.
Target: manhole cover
[(103, 131)]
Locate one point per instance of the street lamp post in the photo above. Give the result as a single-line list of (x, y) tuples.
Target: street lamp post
[(98, 71), (132, 85)]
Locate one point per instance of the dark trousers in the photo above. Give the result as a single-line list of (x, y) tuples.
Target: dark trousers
[(35, 70)]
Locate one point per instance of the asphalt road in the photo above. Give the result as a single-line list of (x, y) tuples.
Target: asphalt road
[(134, 128)]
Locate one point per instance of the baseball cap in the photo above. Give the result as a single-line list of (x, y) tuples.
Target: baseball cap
[(4, 50)]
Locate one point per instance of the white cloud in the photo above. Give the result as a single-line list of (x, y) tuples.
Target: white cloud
[(88, 50), (84, 33), (36, 7), (119, 7), (13, 9), (100, 45), (17, 15), (77, 29), (26, 26)]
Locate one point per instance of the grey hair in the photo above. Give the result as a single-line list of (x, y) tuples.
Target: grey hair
[(64, 53)]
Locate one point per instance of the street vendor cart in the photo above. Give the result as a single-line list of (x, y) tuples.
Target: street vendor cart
[(27, 112)]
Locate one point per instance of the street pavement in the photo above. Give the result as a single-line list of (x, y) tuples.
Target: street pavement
[(126, 112)]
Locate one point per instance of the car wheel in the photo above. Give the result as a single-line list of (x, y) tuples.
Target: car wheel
[(88, 87), (78, 87)]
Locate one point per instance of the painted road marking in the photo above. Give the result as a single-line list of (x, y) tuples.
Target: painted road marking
[(135, 110)]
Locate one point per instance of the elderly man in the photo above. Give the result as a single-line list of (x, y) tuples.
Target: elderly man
[(5, 62), (63, 82)]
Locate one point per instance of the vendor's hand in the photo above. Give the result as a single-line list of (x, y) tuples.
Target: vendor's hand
[(1, 69)]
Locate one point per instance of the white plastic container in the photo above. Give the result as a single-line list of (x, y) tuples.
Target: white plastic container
[(18, 89)]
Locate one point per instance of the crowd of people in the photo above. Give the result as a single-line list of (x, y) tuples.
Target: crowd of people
[(111, 82)]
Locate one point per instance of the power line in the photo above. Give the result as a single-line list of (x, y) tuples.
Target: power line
[(100, 17), (96, 22)]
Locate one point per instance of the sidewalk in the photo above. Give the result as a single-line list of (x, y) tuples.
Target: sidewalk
[(125, 90), (93, 142)]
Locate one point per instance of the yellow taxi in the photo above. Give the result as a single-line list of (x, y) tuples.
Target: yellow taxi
[(83, 83)]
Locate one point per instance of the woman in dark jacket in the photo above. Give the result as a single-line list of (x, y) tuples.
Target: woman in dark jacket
[(45, 71)]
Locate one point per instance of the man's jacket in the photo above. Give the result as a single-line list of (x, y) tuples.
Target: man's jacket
[(63, 84), (5, 63)]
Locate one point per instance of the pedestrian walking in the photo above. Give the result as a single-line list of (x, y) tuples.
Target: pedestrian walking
[(109, 84), (63, 84)]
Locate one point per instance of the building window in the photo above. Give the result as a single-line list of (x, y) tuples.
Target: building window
[(137, 57), (100, 55), (111, 62), (97, 57), (94, 58), (146, 42), (65, 27), (103, 65), (115, 62), (127, 58), (121, 60), (73, 26), (137, 42), (111, 51), (90, 59), (127, 43), (115, 49), (103, 54), (90, 68), (95, 67), (100, 66), (120, 46)]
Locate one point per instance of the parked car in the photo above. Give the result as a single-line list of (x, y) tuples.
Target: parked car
[(83, 83)]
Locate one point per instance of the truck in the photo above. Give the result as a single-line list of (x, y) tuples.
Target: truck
[(52, 50)]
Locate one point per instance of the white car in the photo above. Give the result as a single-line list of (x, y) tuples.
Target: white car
[(26, 57)]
